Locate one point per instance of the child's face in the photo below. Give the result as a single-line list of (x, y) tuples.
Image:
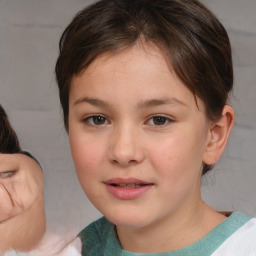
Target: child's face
[(137, 137)]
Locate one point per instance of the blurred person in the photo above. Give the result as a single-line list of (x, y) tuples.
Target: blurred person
[(22, 214)]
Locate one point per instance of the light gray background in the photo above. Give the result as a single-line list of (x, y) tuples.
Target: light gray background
[(29, 34)]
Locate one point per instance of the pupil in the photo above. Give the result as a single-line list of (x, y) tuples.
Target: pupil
[(159, 120), (98, 119)]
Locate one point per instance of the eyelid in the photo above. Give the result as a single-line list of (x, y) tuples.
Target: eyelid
[(7, 174)]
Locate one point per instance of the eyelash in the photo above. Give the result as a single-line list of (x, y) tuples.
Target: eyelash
[(91, 120)]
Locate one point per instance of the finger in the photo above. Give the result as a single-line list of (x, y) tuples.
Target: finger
[(20, 188), (8, 208)]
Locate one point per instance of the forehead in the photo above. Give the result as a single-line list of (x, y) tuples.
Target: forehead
[(141, 68), (127, 63), (137, 54)]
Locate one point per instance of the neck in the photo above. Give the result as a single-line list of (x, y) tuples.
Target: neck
[(182, 228)]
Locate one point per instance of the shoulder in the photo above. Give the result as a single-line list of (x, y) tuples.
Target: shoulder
[(241, 242), (96, 229), (96, 236)]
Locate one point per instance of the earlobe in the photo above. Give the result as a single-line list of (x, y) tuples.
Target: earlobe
[(218, 136)]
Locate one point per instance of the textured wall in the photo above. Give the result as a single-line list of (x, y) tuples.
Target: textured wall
[(29, 34)]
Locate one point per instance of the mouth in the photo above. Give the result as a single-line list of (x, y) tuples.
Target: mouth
[(126, 189), (127, 183)]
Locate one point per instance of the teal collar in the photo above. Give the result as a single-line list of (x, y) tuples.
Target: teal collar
[(208, 244)]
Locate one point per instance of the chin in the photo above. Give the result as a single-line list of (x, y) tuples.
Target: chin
[(129, 221)]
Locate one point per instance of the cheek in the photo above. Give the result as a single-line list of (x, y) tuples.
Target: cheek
[(176, 156), (178, 168), (87, 160), (86, 156)]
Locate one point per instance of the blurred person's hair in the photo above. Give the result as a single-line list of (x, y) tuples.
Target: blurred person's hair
[(9, 142)]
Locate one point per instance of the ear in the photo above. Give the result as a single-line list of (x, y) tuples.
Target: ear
[(218, 136)]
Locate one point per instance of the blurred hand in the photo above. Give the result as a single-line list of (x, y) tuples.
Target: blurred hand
[(22, 217), (21, 183)]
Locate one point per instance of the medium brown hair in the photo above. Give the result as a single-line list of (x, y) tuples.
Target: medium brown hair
[(9, 142), (189, 35)]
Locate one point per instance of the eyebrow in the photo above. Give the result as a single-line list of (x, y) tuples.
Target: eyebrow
[(93, 101), (144, 104), (158, 102)]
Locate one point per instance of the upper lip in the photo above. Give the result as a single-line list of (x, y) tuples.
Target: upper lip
[(126, 181)]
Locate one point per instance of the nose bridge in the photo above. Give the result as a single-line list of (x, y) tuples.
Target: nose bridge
[(126, 147)]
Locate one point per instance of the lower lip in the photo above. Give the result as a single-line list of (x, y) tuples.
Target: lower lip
[(128, 193)]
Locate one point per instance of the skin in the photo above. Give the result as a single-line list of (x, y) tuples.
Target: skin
[(126, 93), (22, 216)]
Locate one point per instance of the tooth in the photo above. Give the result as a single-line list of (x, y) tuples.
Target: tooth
[(129, 185)]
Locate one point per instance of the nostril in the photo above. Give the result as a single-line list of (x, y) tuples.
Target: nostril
[(125, 152), (123, 162)]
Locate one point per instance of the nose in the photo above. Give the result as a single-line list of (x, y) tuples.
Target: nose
[(126, 147)]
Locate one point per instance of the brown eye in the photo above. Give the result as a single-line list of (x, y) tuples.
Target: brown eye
[(96, 120), (159, 120)]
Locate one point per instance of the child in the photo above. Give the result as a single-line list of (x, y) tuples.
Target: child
[(144, 87), (22, 217)]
